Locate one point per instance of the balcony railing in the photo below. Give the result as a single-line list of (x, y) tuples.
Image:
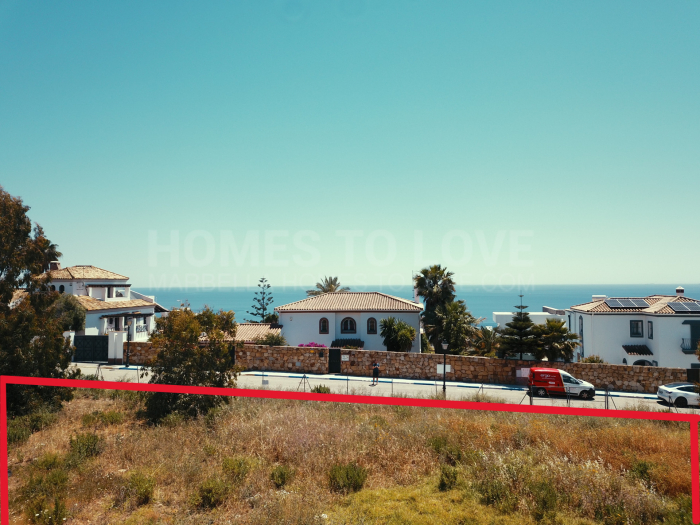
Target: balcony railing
[(688, 346), (141, 328)]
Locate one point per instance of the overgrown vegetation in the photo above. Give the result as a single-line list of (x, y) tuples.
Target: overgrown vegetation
[(271, 340), (258, 461)]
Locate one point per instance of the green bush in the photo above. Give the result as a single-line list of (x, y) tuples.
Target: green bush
[(102, 418), (281, 475), (347, 478), (41, 513), (321, 389), (17, 431), (593, 359), (48, 461), (140, 488), (448, 452), (545, 498), (271, 340), (211, 493), (448, 478), (49, 485), (235, 469), (84, 446), (496, 493), (641, 470)]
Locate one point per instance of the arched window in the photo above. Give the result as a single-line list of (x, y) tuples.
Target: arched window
[(624, 361), (61, 288), (53, 288), (371, 325), (642, 362), (323, 326), (347, 326)]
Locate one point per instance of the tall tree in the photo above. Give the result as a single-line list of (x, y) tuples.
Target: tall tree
[(261, 302), (457, 326), (398, 335), (487, 341), (327, 285), (49, 251), (437, 288), (555, 341), (184, 358), (31, 336), (518, 336)]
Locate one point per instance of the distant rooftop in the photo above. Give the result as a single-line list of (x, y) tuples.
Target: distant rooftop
[(652, 304), (352, 302), (73, 273)]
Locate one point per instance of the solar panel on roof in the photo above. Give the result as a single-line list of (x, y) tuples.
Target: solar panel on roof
[(678, 307), (640, 303), (693, 307), (613, 303), (626, 303)]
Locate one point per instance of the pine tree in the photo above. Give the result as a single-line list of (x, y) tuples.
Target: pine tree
[(261, 302), (518, 336)]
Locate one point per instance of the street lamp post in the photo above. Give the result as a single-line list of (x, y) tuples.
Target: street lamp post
[(128, 340), (444, 368)]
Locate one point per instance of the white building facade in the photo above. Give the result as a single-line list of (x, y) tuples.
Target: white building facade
[(346, 315), (113, 311), (658, 330)]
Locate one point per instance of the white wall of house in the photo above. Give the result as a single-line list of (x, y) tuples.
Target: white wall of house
[(604, 335), (303, 327)]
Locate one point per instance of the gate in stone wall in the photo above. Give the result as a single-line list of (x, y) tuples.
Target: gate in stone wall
[(91, 348)]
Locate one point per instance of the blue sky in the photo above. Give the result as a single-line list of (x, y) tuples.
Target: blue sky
[(547, 142)]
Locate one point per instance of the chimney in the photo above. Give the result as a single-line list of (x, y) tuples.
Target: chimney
[(599, 298), (680, 291), (54, 265)]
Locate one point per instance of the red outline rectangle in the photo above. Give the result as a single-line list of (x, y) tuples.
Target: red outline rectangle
[(692, 419)]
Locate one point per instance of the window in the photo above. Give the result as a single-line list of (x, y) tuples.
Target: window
[(61, 288), (347, 326), (650, 329), (624, 361), (371, 325), (580, 333), (323, 326), (569, 379), (642, 362), (636, 329), (53, 288)]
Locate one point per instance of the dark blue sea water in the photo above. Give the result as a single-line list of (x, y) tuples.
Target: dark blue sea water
[(482, 301)]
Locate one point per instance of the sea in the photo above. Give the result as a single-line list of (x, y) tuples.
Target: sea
[(482, 301)]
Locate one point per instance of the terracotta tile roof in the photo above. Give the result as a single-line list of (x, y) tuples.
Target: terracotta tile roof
[(248, 332), (352, 302), (91, 304), (72, 273), (658, 304), (637, 350), (17, 296)]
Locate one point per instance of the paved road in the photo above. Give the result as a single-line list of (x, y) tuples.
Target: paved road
[(402, 387)]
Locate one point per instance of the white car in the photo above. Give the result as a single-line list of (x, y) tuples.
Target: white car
[(679, 394)]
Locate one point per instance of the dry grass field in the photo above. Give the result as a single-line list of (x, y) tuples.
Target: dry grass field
[(257, 461)]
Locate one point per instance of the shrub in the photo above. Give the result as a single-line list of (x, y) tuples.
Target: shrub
[(40, 513), (98, 418), (312, 345), (496, 493), (347, 478), (281, 475), (321, 389), (545, 498), (448, 452), (84, 446), (140, 487), (48, 461), (17, 431), (593, 359), (236, 469), (448, 478), (641, 470), (272, 340), (211, 493), (20, 428)]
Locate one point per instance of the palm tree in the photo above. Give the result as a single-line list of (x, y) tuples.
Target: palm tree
[(327, 285), (487, 340), (554, 341), (398, 335), (437, 288), (48, 249), (457, 326)]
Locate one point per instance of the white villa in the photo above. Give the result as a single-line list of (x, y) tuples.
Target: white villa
[(114, 313), (658, 330), (346, 315)]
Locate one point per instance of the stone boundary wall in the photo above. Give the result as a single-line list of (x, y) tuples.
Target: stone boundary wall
[(424, 366), (139, 353), (283, 359)]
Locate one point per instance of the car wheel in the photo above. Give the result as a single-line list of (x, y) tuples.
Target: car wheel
[(585, 394), (681, 402), (541, 392)]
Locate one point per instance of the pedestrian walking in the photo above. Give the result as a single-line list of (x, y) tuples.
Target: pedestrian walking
[(375, 374)]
